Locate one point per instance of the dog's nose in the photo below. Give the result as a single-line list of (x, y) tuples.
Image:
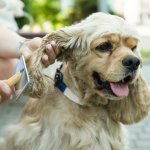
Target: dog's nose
[(131, 63)]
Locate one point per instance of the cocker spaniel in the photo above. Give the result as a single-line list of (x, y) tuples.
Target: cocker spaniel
[(104, 90)]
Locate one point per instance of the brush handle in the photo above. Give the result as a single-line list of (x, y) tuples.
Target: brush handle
[(14, 79)]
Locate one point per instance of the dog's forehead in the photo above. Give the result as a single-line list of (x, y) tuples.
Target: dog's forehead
[(100, 24)]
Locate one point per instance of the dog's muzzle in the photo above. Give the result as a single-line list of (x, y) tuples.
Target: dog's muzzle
[(131, 63), (117, 89)]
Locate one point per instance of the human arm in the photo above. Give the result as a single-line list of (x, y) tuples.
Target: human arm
[(8, 54), (9, 41)]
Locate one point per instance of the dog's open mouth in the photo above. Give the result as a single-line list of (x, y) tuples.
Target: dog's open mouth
[(119, 89)]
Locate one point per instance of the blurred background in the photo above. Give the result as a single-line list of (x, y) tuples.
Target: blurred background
[(37, 17), (32, 18)]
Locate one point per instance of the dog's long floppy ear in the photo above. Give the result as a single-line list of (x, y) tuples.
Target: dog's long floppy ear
[(135, 107), (69, 42)]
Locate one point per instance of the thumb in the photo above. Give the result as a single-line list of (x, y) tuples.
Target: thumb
[(30, 46), (5, 91), (34, 43)]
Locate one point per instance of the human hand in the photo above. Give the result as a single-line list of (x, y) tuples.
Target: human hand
[(5, 91), (27, 49), (51, 50)]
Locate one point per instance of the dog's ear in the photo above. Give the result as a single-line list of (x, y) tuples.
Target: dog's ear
[(70, 42), (70, 45), (133, 108)]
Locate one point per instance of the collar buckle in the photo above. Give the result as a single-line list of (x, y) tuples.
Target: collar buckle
[(58, 76), (59, 80), (59, 83)]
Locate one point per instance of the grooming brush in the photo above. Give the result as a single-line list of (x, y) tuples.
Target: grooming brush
[(21, 79)]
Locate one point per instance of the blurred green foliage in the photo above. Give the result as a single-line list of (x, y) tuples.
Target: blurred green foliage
[(41, 10), (50, 10), (80, 10), (145, 53)]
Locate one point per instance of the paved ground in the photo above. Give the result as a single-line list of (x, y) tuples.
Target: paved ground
[(139, 134)]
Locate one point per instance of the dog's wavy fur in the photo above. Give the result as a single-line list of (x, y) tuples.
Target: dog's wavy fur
[(51, 121)]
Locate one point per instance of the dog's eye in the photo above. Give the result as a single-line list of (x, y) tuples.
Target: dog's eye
[(104, 47), (133, 48)]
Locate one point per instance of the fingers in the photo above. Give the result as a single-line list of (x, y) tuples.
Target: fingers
[(45, 60), (55, 48), (51, 51), (5, 91)]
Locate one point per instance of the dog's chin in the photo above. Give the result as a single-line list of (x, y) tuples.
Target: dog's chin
[(113, 90)]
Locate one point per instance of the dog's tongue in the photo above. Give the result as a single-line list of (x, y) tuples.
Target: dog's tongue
[(120, 89)]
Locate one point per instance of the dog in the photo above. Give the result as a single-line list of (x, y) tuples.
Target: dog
[(101, 70)]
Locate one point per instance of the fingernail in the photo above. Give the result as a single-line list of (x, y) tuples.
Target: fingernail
[(6, 89), (49, 47), (53, 42), (45, 58)]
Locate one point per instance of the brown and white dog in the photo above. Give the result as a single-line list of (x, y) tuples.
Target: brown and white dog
[(102, 70)]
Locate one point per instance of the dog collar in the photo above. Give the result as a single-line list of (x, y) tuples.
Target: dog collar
[(59, 83)]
